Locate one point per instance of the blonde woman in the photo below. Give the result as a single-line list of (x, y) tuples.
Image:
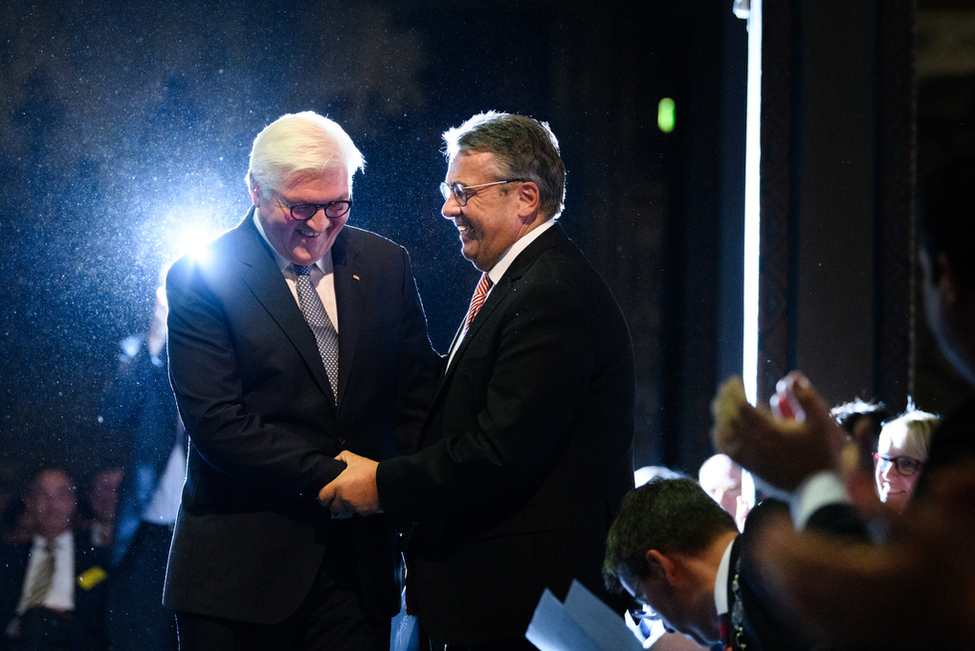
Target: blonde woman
[(901, 452)]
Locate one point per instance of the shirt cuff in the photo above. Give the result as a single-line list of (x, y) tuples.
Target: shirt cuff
[(821, 489)]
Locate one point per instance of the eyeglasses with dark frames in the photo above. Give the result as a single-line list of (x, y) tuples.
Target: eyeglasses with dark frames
[(305, 211), (462, 193), (905, 466)]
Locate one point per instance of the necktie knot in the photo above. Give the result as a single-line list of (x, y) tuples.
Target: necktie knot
[(480, 293), (321, 325)]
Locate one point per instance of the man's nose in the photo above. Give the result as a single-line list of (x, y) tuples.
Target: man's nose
[(318, 221), (451, 207)]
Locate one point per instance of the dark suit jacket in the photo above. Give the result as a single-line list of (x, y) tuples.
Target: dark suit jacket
[(85, 629), (525, 455), (764, 627), (255, 400)]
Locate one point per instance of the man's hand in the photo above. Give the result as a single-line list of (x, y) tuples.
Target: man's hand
[(353, 491), (917, 592), (782, 452)]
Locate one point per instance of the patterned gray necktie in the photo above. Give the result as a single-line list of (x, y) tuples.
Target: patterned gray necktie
[(42, 580), (321, 325)]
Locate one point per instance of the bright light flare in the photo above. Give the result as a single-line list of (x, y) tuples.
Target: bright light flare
[(188, 230)]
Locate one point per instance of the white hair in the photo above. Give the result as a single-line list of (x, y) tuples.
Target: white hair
[(301, 143)]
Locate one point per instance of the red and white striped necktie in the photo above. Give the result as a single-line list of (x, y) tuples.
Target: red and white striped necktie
[(478, 299)]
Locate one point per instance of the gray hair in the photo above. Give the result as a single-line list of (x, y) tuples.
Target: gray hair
[(523, 148)]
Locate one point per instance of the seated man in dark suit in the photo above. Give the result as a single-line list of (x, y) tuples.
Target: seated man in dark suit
[(676, 551), (52, 589)]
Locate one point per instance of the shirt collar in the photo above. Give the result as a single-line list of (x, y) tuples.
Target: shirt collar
[(60, 541), (721, 581), (501, 266)]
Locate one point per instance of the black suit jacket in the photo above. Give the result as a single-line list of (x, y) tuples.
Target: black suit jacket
[(763, 626), (85, 629), (525, 455), (256, 402)]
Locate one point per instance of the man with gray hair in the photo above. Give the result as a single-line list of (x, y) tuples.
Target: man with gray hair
[(526, 452), (291, 338)]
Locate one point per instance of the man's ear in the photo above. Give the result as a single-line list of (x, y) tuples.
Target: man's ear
[(255, 191), (663, 567), (528, 199)]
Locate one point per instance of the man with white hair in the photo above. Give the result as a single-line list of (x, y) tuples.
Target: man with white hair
[(291, 339)]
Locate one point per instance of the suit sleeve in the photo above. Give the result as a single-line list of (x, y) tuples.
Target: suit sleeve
[(206, 355), (525, 392)]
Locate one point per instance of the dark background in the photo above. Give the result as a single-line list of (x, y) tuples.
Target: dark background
[(125, 131)]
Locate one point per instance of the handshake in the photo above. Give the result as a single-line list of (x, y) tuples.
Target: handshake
[(354, 491)]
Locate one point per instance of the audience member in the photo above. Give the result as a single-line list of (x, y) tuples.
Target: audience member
[(527, 449), (649, 630), (646, 473), (862, 420), (917, 589), (52, 588), (140, 411), (102, 498), (679, 554), (721, 478), (901, 452)]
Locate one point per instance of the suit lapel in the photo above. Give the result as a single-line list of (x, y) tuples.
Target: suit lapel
[(259, 271), (551, 238), (348, 301)]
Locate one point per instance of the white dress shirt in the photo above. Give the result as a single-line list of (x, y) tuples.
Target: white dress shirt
[(322, 277), (501, 266), (61, 595), (721, 582)]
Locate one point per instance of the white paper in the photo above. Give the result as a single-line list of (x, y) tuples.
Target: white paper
[(582, 623)]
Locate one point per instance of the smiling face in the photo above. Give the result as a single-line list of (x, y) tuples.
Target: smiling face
[(303, 243), (894, 488), (492, 220)]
